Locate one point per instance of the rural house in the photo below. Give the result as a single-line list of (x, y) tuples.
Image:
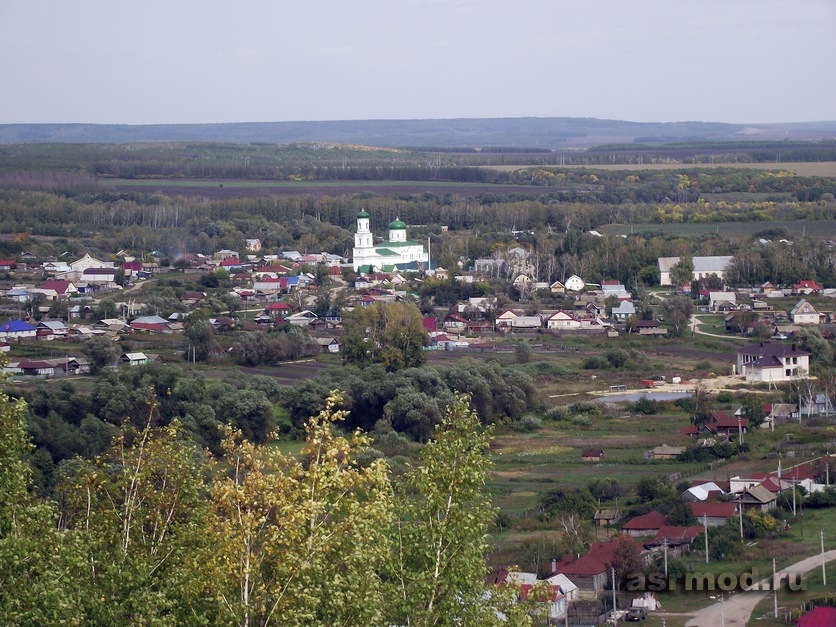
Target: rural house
[(767, 362)]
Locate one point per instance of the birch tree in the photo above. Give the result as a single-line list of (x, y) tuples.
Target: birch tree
[(298, 540), (437, 569)]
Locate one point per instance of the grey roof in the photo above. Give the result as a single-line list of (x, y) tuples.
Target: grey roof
[(761, 494), (150, 320), (624, 307), (768, 349)]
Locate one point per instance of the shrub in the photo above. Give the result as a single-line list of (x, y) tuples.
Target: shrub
[(526, 423), (522, 353), (584, 407), (596, 363), (617, 357), (582, 420), (556, 414), (645, 406)]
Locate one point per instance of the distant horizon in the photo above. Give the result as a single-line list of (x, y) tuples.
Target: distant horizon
[(418, 119)]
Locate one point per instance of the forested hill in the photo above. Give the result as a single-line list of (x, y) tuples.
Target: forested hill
[(545, 133)]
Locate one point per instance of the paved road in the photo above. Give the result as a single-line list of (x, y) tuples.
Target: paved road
[(737, 609)]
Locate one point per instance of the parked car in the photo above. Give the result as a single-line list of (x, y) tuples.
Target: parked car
[(637, 613)]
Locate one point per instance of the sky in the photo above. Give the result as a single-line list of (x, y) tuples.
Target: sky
[(209, 61)]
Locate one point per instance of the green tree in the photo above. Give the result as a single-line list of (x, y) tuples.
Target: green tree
[(677, 312), (141, 509), (742, 320), (295, 540), (391, 334), (700, 406), (820, 350), (680, 514), (650, 489), (682, 271), (38, 584), (102, 352), (576, 501), (604, 488), (752, 406), (437, 565), (200, 339)]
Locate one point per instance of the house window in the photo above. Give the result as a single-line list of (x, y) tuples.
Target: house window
[(788, 372), (795, 360)]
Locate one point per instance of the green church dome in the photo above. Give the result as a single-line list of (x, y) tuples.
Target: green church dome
[(363, 214), (397, 224)]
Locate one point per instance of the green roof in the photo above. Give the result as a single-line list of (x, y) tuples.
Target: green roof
[(363, 214), (385, 252), (397, 224), (391, 244)]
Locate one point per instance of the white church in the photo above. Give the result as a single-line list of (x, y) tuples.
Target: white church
[(395, 254)]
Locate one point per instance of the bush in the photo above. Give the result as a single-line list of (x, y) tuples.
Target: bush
[(596, 363), (725, 397), (582, 420), (557, 414), (584, 407), (821, 499), (617, 357), (527, 423), (645, 406), (522, 353)]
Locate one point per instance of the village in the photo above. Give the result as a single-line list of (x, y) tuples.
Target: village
[(50, 302)]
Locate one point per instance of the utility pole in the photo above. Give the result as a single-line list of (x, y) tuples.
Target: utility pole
[(666, 557), (613, 592), (774, 591), (823, 572), (740, 516), (705, 529)]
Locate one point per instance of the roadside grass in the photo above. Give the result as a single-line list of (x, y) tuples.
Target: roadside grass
[(792, 604), (711, 323)]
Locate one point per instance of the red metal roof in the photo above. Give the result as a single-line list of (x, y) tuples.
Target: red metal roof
[(595, 562), (724, 421), (812, 285), (60, 286), (818, 617), (651, 520), (713, 509)]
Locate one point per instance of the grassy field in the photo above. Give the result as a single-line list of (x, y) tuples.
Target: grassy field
[(825, 168)]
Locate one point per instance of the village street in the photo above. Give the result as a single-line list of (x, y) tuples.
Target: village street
[(737, 609)]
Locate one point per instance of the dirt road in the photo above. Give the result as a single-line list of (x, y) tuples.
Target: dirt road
[(695, 327), (738, 608)]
